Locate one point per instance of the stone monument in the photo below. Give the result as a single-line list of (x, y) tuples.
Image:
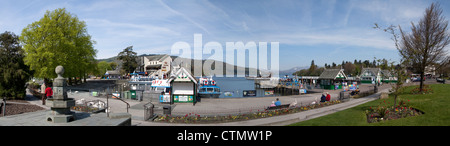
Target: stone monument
[(60, 104)]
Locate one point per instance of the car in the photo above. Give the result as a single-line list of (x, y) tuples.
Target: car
[(441, 80)]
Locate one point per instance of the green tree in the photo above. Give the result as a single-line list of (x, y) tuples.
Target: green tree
[(13, 72), (102, 67), (128, 58), (59, 38)]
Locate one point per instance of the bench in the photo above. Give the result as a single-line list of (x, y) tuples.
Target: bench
[(277, 107)]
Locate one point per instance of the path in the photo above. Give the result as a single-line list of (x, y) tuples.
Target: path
[(218, 106), (280, 120)]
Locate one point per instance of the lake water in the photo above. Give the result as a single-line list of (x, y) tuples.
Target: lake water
[(234, 87)]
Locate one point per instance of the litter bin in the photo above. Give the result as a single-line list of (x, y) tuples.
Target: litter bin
[(167, 110), (148, 111), (133, 94), (375, 89), (341, 95), (139, 95), (126, 94)]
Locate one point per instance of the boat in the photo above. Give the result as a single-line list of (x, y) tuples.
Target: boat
[(208, 88)]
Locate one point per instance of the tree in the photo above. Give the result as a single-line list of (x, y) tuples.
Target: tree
[(13, 72), (59, 38), (102, 67), (129, 59), (399, 72), (312, 68), (348, 68), (426, 43)]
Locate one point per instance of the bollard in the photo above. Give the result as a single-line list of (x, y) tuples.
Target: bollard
[(3, 106)]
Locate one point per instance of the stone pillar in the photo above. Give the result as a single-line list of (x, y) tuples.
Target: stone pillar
[(60, 104)]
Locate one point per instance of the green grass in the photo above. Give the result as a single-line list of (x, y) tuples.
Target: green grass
[(436, 107)]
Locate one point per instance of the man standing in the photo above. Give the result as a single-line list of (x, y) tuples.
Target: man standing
[(49, 92)]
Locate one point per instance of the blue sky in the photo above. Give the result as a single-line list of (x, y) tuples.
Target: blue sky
[(324, 30)]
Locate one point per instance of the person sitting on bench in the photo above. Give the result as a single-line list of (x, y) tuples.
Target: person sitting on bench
[(277, 103), (323, 98)]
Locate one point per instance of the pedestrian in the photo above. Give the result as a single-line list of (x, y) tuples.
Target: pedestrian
[(328, 97), (43, 97), (278, 102), (49, 92)]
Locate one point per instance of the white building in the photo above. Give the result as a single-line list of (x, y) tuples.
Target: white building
[(156, 65)]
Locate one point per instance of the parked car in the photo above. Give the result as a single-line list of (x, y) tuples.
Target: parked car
[(441, 80)]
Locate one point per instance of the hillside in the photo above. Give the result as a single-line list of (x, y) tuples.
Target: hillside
[(113, 59)]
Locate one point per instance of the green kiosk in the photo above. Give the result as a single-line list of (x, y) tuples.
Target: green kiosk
[(331, 79), (183, 86)]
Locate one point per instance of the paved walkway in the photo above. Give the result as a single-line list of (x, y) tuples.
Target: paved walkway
[(280, 120), (225, 106)]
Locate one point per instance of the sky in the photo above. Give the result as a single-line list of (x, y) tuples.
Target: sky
[(325, 31)]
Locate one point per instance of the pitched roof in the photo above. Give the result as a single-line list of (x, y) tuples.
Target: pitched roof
[(157, 57), (112, 72), (386, 73), (181, 75), (332, 74), (374, 71)]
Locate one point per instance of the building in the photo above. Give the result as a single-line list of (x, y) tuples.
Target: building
[(184, 86), (155, 65), (370, 76), (332, 79), (388, 77), (112, 74), (430, 70), (376, 75)]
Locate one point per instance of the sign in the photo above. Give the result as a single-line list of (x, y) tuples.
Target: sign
[(247, 93), (183, 98), (302, 91), (268, 92), (116, 95), (164, 98), (228, 93)]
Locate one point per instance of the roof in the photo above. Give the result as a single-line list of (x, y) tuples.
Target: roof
[(112, 72), (182, 75), (386, 73), (332, 74), (374, 71), (159, 58)]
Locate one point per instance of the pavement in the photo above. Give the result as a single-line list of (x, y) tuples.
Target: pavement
[(226, 106)]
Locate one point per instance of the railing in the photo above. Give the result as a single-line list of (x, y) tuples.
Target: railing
[(128, 105)]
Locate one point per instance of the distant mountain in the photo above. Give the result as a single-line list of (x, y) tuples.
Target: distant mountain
[(292, 70), (185, 60)]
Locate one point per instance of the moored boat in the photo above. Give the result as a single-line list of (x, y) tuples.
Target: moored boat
[(208, 88)]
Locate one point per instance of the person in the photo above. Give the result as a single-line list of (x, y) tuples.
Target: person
[(49, 92), (323, 98), (328, 97), (43, 97), (278, 102), (273, 104)]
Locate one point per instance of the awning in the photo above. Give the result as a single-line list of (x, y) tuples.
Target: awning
[(156, 66)]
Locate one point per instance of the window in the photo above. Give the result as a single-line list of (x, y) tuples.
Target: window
[(210, 89)]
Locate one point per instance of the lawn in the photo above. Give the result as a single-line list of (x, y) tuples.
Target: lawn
[(436, 107)]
